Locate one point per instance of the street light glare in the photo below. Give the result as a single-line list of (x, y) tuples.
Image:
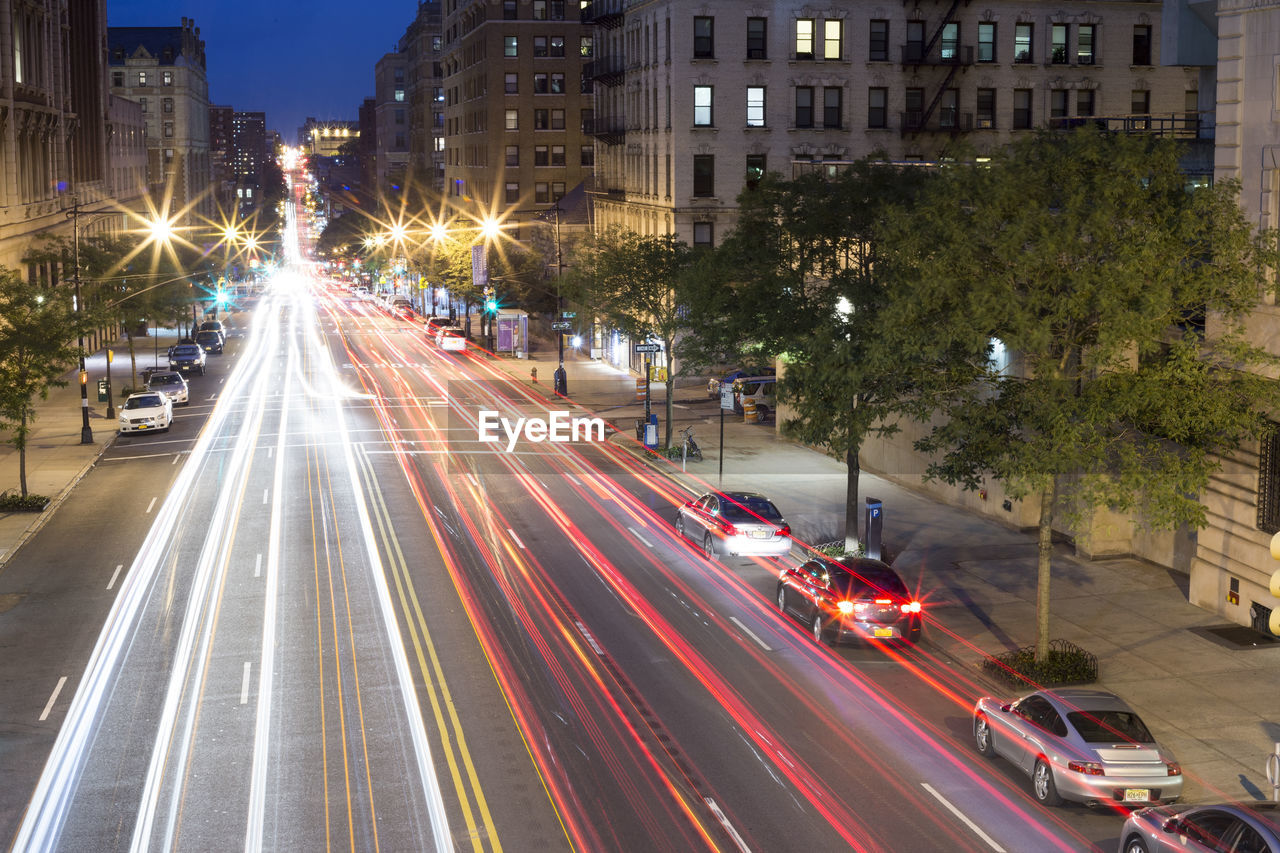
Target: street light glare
[(398, 232), (161, 230), (490, 228), (438, 231)]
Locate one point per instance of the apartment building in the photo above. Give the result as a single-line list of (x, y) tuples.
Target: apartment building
[(391, 115), (694, 99), (517, 105), (422, 46)]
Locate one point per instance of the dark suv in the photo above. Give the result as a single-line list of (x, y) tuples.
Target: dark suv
[(187, 358), (209, 340)]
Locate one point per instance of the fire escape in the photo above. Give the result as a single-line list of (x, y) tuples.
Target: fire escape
[(605, 70), (943, 50)]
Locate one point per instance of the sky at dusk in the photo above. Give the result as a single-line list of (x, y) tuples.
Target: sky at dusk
[(288, 58)]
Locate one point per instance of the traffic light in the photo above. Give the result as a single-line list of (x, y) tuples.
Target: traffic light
[(222, 298), (491, 305), (1274, 622)]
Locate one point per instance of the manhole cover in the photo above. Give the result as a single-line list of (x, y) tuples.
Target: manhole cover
[(1235, 636)]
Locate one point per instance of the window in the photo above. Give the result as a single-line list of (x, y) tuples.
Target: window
[(704, 43), (877, 107), (540, 155), (586, 86), (832, 39), (986, 42), (1058, 45), (588, 155), (702, 106), (557, 84), (542, 193), (1142, 45), (1191, 109), (557, 190), (557, 155), (513, 120), (1057, 106), (511, 85), (557, 45), (117, 79), (1140, 106), (755, 169), (755, 106), (804, 38), (915, 42), (557, 119), (143, 103), (513, 155), (166, 105), (399, 116), (702, 235), (757, 30), (508, 10), (1022, 35), (950, 46), (541, 120), (879, 44), (539, 45), (399, 94), (586, 47), (914, 117), (540, 84), (1022, 109), (557, 10), (804, 106), (588, 120), (142, 75), (949, 108), (510, 46), (986, 109), (1084, 44), (168, 128), (1269, 481), (704, 175), (832, 101), (1084, 102), (539, 10), (166, 78)]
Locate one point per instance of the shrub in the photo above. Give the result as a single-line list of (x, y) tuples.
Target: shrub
[(10, 502), (1067, 663)]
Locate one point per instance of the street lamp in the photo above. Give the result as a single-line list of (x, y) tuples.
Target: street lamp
[(86, 431)]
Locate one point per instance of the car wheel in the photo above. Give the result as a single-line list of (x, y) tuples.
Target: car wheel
[(982, 736), (1135, 844), (1042, 784), (819, 630), (680, 526), (782, 597), (709, 547)]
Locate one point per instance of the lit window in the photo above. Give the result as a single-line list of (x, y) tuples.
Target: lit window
[(513, 120), (804, 38), (832, 39), (167, 78), (1022, 35), (755, 106), (702, 106), (510, 46)]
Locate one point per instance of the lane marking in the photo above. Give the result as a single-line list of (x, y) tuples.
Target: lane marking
[(176, 457), (474, 481), (955, 811), (265, 492), (54, 698), (150, 506), (728, 827), (591, 641), (115, 575), (517, 538), (257, 566), (636, 533), (244, 683), (749, 633)]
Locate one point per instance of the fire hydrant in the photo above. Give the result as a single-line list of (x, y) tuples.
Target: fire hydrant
[(533, 375)]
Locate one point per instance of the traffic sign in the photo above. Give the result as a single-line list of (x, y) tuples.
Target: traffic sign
[(648, 347), (568, 315), (562, 326)]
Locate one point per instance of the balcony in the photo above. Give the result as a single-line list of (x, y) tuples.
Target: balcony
[(602, 13), (611, 130), (608, 70), (943, 121), (1174, 125), (942, 53)]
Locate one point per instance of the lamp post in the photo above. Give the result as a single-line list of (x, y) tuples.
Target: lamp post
[(86, 431)]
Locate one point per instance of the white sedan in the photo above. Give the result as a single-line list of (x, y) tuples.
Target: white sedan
[(150, 411)]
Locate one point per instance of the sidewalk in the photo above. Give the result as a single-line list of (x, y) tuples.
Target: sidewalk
[(1203, 687)]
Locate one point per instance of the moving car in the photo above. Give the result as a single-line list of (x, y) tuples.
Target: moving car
[(171, 384), (742, 524), (1078, 744), (451, 339), (188, 358), (209, 340), (148, 411), (854, 596), (215, 326), (1251, 827)]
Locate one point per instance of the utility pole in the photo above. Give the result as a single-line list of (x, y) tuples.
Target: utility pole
[(561, 378)]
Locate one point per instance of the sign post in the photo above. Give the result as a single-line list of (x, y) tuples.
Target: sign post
[(726, 402)]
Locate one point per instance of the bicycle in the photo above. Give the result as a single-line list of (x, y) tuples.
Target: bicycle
[(689, 447)]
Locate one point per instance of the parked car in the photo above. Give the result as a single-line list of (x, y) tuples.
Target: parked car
[(760, 389), (1251, 827), (451, 339), (209, 341), (187, 358), (148, 411), (715, 384), (171, 384), (854, 596), (1078, 744), (735, 523)]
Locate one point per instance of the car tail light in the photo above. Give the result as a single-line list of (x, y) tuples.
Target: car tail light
[(845, 606), (911, 607), (784, 530), (729, 529), (1174, 769), (884, 601), (1088, 768)]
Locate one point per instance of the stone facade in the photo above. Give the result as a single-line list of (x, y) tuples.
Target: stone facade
[(391, 114)]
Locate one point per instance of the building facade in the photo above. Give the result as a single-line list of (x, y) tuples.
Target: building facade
[(250, 154), (221, 171), (517, 106), (693, 99), (422, 45), (163, 69)]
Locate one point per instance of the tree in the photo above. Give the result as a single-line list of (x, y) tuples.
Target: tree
[(800, 277), (1122, 294), (634, 283), (36, 327)]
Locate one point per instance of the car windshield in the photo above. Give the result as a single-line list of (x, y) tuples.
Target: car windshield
[(745, 508), (868, 583), (186, 350), (144, 401), (165, 379), (1110, 726), (207, 336)]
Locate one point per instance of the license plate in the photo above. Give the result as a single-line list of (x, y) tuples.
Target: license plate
[(760, 534), (885, 632), (1137, 795)]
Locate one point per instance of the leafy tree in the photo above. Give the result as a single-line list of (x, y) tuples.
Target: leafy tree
[(1123, 295), (634, 283), (36, 326)]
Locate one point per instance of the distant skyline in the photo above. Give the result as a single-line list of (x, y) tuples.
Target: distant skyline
[(287, 59)]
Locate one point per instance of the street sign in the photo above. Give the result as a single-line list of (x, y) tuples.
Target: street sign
[(562, 326), (726, 398), (648, 347), (568, 315)]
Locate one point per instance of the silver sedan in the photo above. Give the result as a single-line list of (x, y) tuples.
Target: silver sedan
[(1078, 744), (172, 384), (1240, 827), (737, 523)]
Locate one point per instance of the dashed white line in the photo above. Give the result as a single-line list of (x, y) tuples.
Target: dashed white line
[(636, 533), (474, 481), (150, 506), (257, 566), (244, 683), (265, 492), (955, 811), (517, 538), (44, 715), (591, 641), (176, 457), (115, 575), (749, 633), (728, 827)]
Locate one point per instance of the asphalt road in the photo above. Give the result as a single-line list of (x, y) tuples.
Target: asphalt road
[(320, 614)]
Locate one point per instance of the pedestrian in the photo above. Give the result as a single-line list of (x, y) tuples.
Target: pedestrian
[(533, 374)]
